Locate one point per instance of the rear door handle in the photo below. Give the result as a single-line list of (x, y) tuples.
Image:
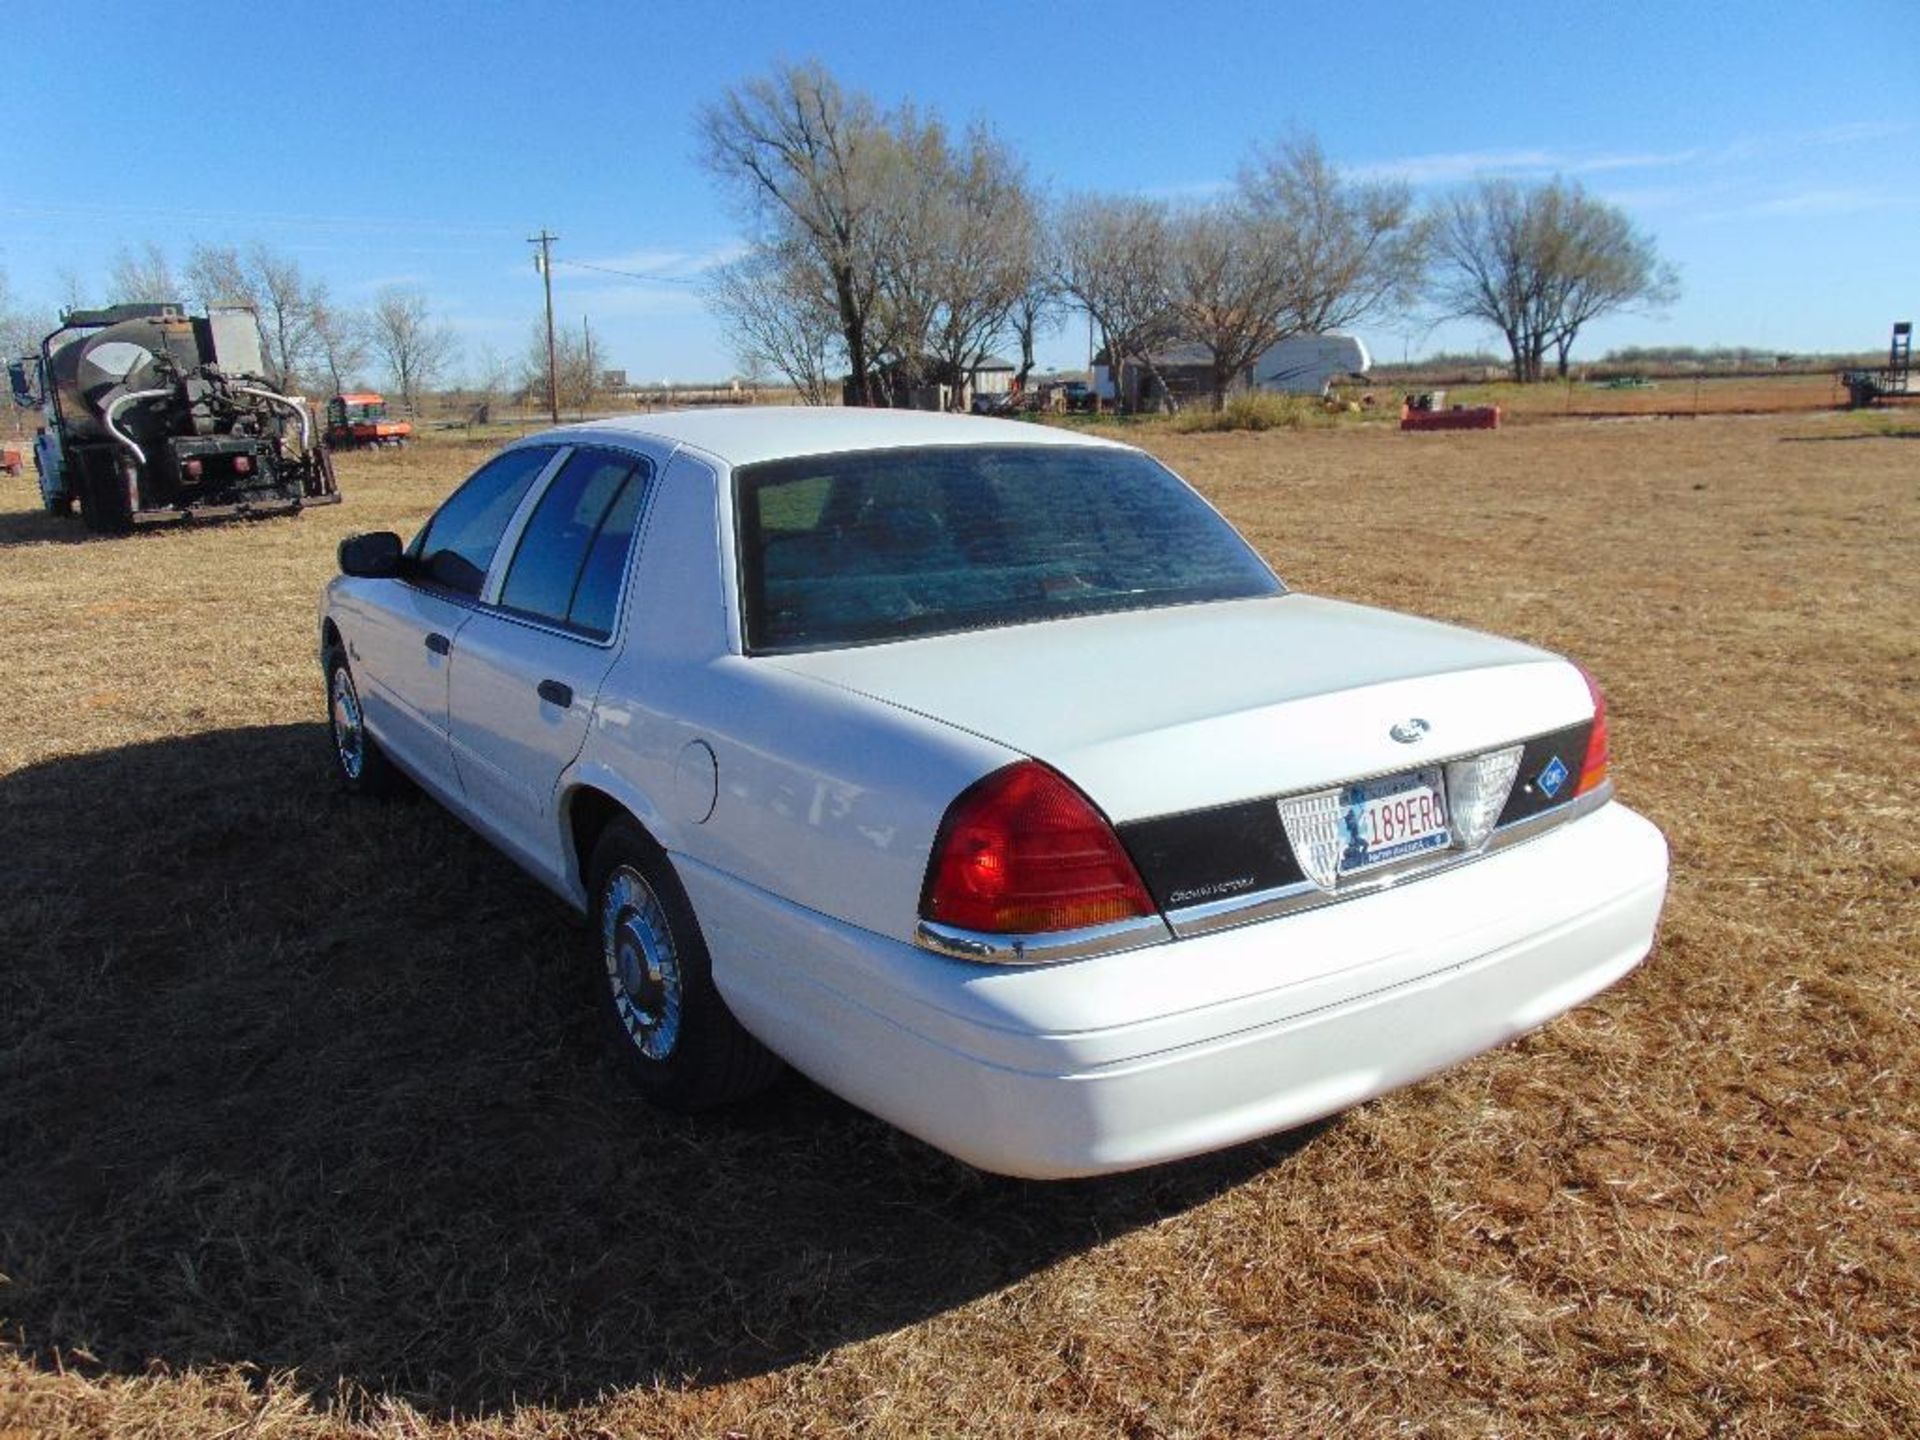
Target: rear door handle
[(439, 643), (554, 693)]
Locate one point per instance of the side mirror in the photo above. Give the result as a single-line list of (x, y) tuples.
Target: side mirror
[(24, 382), (375, 556)]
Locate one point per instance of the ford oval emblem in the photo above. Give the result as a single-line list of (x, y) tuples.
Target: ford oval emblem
[(1410, 730)]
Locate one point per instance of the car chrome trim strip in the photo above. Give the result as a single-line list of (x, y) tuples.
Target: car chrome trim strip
[(1192, 920), (1043, 949)]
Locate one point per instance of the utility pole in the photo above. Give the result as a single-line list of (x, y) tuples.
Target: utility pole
[(544, 263)]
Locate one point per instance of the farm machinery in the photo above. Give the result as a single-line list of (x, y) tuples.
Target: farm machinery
[(152, 415), (356, 420), (1865, 387)]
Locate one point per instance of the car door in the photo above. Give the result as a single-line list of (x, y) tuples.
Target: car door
[(528, 664), (401, 634)]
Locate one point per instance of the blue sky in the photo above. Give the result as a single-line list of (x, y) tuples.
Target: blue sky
[(1772, 149)]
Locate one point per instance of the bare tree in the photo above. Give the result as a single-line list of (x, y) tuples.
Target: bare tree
[(273, 287), (1352, 249), (73, 290), (142, 275), (21, 327), (980, 237), (778, 318), (1230, 277), (1296, 249), (340, 337), (216, 275), (907, 187), (578, 368), (285, 308), (1615, 267), (1539, 262), (1111, 256), (489, 377), (416, 348), (804, 158), (1036, 311)]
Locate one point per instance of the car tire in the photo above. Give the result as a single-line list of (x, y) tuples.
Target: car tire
[(358, 761), (675, 1037)]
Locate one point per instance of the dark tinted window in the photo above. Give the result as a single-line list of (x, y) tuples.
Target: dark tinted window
[(843, 549), (596, 600), (458, 544), (568, 564)]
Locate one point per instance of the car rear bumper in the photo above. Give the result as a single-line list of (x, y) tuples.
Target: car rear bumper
[(1128, 1060)]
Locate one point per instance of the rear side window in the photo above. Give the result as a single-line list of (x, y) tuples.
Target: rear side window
[(853, 548), (573, 552), (457, 545)]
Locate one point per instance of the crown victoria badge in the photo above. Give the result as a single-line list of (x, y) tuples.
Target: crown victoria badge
[(1410, 730)]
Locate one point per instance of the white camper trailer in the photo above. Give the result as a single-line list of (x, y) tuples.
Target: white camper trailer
[(1307, 364)]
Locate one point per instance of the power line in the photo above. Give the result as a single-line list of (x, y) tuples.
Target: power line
[(632, 274)]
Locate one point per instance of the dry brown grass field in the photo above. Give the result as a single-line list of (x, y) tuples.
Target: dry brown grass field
[(1671, 396), (1668, 395), (304, 1130)]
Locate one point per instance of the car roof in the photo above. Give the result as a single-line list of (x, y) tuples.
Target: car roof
[(747, 434)]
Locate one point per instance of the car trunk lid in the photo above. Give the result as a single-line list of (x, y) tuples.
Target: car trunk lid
[(1162, 712)]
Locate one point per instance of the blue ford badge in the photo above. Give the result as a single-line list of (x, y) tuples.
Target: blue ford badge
[(1552, 778), (1408, 731)]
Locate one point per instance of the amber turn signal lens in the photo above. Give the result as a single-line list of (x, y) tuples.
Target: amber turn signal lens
[(1593, 770)]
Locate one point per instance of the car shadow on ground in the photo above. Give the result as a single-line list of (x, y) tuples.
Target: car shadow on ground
[(289, 1080)]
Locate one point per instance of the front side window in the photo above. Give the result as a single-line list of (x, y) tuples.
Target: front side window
[(854, 548), (567, 567), (457, 545)]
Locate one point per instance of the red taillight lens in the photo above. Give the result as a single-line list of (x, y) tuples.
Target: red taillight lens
[(1593, 770), (1023, 852), (243, 464), (193, 469)]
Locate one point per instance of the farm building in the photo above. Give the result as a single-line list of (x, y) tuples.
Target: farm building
[(1184, 372), (923, 386), (1298, 365)]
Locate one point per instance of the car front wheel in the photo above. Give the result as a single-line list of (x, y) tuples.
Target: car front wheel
[(673, 1032)]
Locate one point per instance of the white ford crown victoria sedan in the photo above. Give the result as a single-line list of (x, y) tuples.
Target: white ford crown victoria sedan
[(983, 773)]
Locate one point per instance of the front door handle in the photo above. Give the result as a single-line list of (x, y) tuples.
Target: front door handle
[(555, 693), (439, 643)]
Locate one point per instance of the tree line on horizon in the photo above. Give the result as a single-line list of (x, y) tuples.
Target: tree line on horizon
[(889, 250), (305, 334)]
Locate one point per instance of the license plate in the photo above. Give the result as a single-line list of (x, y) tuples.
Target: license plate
[(1393, 817)]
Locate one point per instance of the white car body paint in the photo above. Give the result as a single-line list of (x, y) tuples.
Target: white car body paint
[(831, 772), (1183, 708)]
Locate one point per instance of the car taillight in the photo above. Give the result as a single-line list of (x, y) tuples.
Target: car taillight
[(243, 464), (1022, 852), (193, 469), (1593, 770)]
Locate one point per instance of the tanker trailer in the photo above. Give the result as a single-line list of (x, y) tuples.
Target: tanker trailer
[(153, 415)]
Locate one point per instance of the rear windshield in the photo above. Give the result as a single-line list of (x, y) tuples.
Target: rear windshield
[(848, 549)]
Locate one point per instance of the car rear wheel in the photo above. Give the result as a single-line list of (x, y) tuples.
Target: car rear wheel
[(362, 766), (674, 1034)]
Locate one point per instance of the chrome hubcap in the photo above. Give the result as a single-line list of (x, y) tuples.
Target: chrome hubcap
[(643, 969), (349, 732)]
